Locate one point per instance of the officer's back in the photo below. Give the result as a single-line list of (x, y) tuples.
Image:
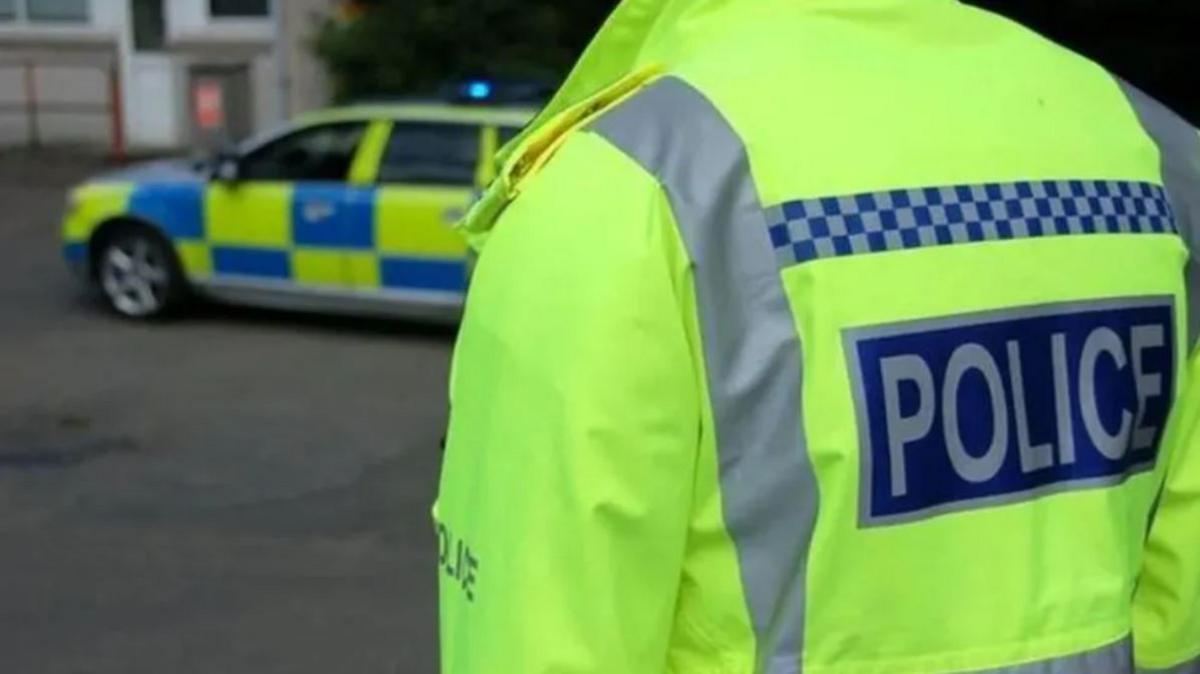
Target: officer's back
[(917, 276)]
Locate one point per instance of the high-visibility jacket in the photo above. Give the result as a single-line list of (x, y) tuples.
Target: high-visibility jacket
[(834, 337)]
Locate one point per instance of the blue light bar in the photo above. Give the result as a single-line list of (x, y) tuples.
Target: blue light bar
[(479, 90)]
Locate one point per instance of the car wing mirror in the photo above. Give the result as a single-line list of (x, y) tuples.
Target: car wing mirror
[(227, 167)]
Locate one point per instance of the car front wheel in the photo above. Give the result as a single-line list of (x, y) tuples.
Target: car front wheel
[(138, 274)]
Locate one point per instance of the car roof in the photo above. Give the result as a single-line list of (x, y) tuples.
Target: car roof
[(423, 112)]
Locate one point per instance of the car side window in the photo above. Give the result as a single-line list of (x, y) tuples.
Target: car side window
[(319, 153), (431, 154)]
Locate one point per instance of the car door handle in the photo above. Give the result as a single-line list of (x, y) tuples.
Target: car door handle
[(316, 211), (451, 216)]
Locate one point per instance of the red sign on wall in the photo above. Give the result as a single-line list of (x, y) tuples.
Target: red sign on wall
[(209, 99)]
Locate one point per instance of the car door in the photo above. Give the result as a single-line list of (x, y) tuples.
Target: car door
[(290, 218), (427, 175)]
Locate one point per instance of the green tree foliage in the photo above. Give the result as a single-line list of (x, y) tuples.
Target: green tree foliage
[(412, 47)]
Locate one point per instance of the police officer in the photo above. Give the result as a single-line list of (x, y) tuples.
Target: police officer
[(829, 336)]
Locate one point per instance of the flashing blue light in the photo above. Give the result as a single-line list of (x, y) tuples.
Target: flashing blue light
[(479, 90)]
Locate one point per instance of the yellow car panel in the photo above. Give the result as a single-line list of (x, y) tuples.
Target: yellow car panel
[(249, 214), (418, 220), (318, 267)]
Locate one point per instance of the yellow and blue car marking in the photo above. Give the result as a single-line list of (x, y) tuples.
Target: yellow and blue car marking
[(353, 239)]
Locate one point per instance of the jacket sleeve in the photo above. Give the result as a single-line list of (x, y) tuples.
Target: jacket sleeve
[(1166, 613), (567, 482)]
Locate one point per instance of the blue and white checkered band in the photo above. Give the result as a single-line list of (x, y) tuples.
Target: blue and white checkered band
[(812, 229)]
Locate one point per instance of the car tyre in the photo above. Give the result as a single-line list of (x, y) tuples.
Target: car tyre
[(138, 273)]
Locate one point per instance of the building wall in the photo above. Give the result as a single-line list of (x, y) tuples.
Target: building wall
[(198, 41), (189, 21), (74, 85), (266, 104), (80, 65), (153, 105), (306, 82), (67, 69), (77, 65)]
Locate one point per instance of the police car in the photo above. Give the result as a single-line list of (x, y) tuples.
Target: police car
[(346, 210)]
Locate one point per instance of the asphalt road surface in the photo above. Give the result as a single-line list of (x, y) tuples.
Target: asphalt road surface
[(236, 491)]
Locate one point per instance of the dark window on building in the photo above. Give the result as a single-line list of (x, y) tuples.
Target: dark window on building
[(431, 154), (8, 10), (239, 8), (75, 11), (322, 153), (149, 26)]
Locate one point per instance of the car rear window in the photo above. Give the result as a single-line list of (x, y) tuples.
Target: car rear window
[(431, 154)]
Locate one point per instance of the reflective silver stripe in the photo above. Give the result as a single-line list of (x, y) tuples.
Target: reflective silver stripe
[(751, 349), (1192, 667), (1179, 145), (1115, 658)]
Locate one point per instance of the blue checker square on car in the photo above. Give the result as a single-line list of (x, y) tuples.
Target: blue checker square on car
[(178, 208), (333, 216), (423, 274), (256, 262)]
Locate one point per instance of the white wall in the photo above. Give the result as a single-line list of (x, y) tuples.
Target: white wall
[(105, 19), (159, 104), (264, 90), (189, 20), (70, 66), (110, 14), (149, 82), (185, 15), (152, 115), (82, 85), (308, 84), (155, 99)]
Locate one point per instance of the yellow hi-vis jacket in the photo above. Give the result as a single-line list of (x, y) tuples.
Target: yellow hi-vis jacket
[(834, 337)]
